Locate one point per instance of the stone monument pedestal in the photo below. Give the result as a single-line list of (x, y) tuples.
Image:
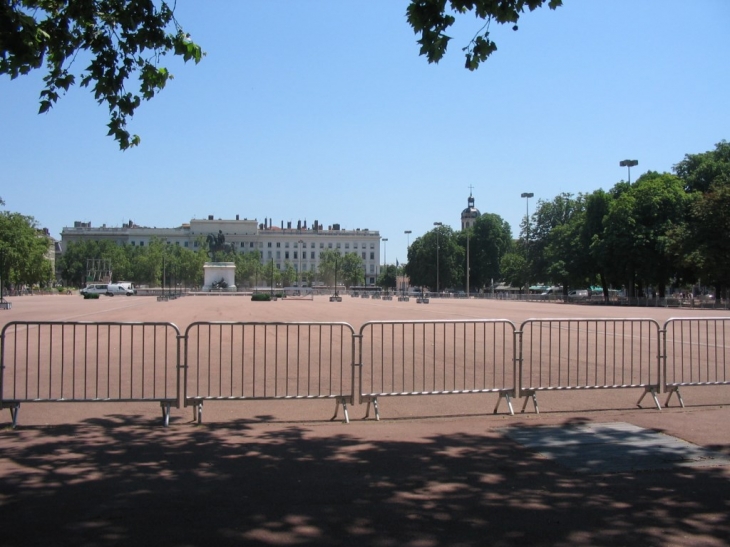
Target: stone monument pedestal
[(214, 272)]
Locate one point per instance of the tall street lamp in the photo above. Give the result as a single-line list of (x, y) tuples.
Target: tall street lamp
[(629, 164), (467, 262), (385, 260), (437, 224), (301, 244), (527, 196), (408, 244)]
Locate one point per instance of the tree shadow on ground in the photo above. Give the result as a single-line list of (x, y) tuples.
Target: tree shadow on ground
[(118, 480)]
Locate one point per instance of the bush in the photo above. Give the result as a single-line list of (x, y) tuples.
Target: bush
[(92, 296), (261, 297)]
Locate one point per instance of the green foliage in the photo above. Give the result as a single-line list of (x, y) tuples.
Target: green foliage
[(387, 277), (430, 19), (121, 39), (23, 250), (700, 171), (261, 297), (423, 259), (514, 268), (248, 268), (288, 274), (91, 296), (490, 239)]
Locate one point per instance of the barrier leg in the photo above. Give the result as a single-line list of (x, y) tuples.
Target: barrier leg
[(651, 390), (165, 413), (374, 401), (198, 411), (675, 389), (508, 398), (14, 409), (341, 401), (533, 396)]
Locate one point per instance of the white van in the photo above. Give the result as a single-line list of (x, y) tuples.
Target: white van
[(122, 287), (95, 288)]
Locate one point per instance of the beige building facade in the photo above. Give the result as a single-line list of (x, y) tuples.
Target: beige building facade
[(298, 245)]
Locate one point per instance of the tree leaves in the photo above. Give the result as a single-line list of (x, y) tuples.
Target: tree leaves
[(122, 40), (430, 19)]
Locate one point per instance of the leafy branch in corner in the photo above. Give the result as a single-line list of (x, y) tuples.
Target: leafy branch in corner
[(430, 19), (123, 39)]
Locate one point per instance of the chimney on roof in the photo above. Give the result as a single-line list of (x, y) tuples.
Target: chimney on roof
[(210, 217)]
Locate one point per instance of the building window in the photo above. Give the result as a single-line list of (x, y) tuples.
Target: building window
[(321, 245), (278, 266), (363, 255), (186, 244), (141, 243), (195, 243), (354, 245), (295, 255), (278, 244), (286, 255), (329, 245), (311, 246), (132, 243), (251, 245), (372, 245), (338, 245), (243, 243), (286, 244), (372, 255), (372, 268), (269, 256), (278, 255), (268, 244), (312, 257), (347, 245)]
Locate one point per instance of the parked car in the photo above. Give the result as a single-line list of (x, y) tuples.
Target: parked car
[(122, 287), (577, 294), (95, 288)]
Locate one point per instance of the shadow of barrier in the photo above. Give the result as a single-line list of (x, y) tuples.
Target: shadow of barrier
[(248, 361)]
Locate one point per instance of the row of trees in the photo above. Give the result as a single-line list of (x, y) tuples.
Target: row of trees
[(160, 263), (664, 229)]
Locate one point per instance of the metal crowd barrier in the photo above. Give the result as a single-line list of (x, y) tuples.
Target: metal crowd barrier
[(696, 353), (250, 361), (572, 354), (436, 358), (129, 362), (58, 361)]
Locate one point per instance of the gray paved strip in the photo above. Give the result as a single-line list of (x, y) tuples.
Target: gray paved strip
[(613, 448)]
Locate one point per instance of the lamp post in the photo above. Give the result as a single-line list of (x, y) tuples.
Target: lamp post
[(527, 196), (467, 262), (408, 244), (301, 244), (437, 224), (629, 164), (385, 262)]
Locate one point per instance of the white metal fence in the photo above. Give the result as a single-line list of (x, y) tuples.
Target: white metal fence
[(238, 361)]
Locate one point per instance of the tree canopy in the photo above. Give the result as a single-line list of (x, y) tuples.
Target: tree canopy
[(119, 39), (431, 19), (23, 251)]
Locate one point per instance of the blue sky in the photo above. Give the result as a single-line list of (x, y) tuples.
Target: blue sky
[(323, 110)]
